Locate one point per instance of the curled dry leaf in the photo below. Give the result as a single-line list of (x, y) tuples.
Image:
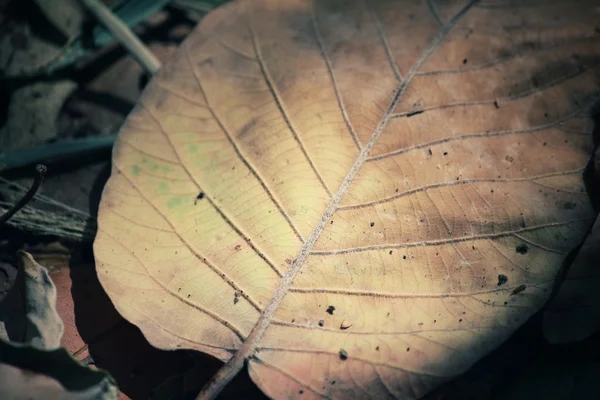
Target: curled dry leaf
[(32, 365), (386, 159), (28, 313)]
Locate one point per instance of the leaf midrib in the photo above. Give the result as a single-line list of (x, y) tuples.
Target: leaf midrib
[(247, 350)]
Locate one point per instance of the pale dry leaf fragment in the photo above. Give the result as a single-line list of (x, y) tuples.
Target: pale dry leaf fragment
[(32, 365), (28, 313), (325, 194)]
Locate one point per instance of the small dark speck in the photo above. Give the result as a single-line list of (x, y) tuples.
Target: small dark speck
[(496, 104), (372, 224), (331, 223), (460, 320), (522, 248), (391, 252), (502, 279), (321, 323), (189, 295), (330, 310), (413, 113), (377, 348), (343, 354), (199, 197), (445, 153), (404, 257), (301, 391), (519, 289), (430, 153), (408, 349), (465, 61)]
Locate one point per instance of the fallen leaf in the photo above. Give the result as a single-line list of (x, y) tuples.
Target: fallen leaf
[(296, 120), (28, 313), (32, 365)]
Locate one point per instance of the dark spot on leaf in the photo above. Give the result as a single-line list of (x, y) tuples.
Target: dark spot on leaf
[(377, 348), (509, 159), (465, 61), (408, 349), (330, 310), (238, 247), (247, 128), (404, 257), (519, 289), (300, 391), (372, 224), (430, 153), (522, 248), (502, 279), (391, 252), (343, 354), (199, 197), (496, 104), (445, 153), (321, 323), (410, 114)]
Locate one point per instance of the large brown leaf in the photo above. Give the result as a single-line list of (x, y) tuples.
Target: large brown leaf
[(358, 198)]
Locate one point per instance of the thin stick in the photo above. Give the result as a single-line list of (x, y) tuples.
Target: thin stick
[(41, 169), (123, 34)]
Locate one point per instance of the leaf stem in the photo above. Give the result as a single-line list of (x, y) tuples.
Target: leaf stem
[(41, 170), (124, 35)]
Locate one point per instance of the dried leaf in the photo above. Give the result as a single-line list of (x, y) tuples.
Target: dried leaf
[(331, 161), (28, 313), (31, 363)]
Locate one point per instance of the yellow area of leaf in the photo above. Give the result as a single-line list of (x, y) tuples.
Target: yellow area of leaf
[(347, 194)]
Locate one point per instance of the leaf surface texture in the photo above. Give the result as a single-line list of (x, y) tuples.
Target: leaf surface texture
[(354, 193)]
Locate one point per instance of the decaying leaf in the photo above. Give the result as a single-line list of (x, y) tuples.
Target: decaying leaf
[(28, 313), (379, 162), (32, 365), (574, 314)]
